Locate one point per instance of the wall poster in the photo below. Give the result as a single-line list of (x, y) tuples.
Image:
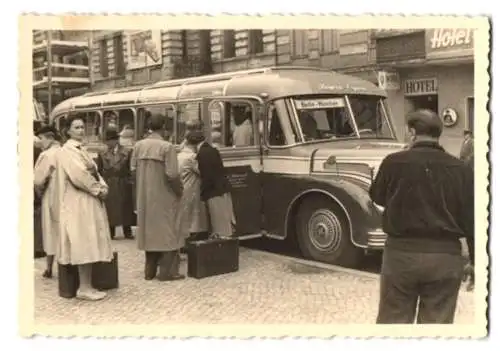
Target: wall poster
[(144, 49)]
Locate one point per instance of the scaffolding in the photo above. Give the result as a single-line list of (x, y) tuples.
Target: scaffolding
[(61, 65)]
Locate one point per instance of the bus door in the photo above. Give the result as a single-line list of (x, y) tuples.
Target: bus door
[(232, 126)]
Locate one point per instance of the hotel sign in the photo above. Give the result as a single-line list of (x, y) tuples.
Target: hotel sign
[(449, 42), (425, 86)]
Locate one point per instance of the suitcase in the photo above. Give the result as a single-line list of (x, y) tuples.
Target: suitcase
[(68, 280), (207, 258), (105, 274), (104, 277)]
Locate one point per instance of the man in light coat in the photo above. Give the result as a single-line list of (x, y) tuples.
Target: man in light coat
[(159, 188)]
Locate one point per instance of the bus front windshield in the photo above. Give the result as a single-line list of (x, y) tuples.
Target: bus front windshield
[(353, 116)]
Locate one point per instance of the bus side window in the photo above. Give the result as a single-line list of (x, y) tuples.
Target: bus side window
[(186, 112), (166, 111), (241, 130), (276, 135), (120, 120)]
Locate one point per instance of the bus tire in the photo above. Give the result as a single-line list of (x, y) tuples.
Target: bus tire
[(323, 234)]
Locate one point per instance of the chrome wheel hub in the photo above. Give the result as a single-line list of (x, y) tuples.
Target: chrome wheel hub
[(325, 230)]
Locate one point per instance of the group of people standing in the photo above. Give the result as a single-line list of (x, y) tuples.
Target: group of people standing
[(80, 201)]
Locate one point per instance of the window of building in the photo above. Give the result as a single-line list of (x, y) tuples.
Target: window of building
[(299, 42), (255, 41), (103, 58), (329, 41), (184, 43), (229, 44), (118, 53)]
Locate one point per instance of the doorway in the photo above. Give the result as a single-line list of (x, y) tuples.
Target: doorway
[(470, 114), (429, 102)]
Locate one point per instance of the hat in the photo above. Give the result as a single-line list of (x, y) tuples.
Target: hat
[(47, 130), (195, 136), (112, 135)]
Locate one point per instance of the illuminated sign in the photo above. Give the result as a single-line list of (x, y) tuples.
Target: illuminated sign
[(319, 103)]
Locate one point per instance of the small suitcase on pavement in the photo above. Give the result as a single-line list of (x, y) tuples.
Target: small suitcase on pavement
[(104, 277), (68, 280), (211, 257), (105, 274)]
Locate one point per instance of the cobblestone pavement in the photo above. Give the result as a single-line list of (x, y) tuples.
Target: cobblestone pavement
[(267, 289)]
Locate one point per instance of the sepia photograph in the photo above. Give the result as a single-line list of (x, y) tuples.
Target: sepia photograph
[(257, 178)]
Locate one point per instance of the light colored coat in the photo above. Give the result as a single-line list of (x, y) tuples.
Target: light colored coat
[(44, 183), (81, 216), (192, 211), (154, 162)]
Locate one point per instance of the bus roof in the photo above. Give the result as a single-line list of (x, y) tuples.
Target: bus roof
[(275, 82)]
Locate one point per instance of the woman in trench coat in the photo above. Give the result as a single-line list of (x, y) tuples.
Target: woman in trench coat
[(80, 211), (114, 165), (45, 187)]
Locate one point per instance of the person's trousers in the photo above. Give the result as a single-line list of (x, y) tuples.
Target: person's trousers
[(164, 263), (127, 231), (411, 281)]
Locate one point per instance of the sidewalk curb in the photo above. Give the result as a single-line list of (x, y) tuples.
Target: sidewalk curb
[(326, 266)]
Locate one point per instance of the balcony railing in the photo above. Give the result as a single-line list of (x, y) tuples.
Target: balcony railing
[(63, 75)]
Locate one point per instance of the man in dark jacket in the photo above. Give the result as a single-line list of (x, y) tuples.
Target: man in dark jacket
[(428, 196), (215, 189)]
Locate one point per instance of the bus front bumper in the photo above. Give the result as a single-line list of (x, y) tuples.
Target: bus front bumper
[(376, 239)]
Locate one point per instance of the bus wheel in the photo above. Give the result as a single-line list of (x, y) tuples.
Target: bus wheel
[(323, 233)]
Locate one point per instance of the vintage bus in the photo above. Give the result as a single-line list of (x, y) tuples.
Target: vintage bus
[(314, 141)]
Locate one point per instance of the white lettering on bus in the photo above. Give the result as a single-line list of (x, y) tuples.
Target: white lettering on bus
[(443, 38), (319, 103)]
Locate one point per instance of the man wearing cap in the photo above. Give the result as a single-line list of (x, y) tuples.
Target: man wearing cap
[(114, 166), (158, 192), (428, 198), (45, 188)]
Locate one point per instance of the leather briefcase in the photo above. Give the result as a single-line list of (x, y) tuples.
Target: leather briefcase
[(104, 277), (105, 274), (207, 258)]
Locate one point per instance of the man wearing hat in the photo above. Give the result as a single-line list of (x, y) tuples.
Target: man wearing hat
[(45, 188), (114, 166), (428, 198)]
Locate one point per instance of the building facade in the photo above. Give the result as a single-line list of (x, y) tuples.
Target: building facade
[(122, 58), (60, 66), (420, 68), (434, 70)]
